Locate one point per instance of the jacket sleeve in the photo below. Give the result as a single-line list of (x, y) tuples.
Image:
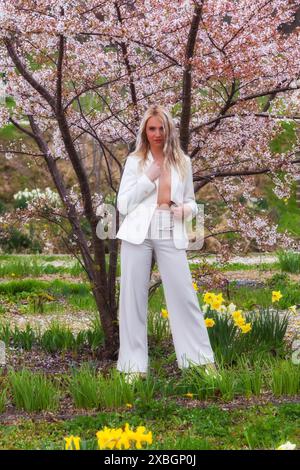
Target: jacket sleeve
[(189, 194), (133, 188)]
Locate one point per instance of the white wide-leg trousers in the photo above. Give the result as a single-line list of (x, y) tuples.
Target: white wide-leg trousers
[(189, 332)]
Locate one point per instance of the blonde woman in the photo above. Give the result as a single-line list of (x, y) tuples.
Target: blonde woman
[(156, 197)]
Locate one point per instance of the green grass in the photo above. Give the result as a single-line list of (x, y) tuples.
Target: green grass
[(33, 391), (38, 296), (92, 390), (247, 298), (24, 267), (246, 379), (265, 335), (57, 337), (9, 132), (27, 285), (3, 399), (241, 266), (254, 427), (77, 296), (39, 265), (287, 216), (289, 261), (157, 300), (285, 378), (250, 267)]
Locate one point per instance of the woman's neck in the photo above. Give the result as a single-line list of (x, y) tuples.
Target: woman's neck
[(158, 155)]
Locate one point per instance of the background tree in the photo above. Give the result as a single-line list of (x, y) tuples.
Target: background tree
[(227, 70)]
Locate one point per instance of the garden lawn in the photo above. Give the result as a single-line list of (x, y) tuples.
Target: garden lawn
[(173, 427)]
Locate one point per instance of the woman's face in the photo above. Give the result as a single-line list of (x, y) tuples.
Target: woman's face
[(155, 132)]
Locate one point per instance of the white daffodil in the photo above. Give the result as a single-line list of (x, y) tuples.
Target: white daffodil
[(287, 446), (293, 309), (205, 307), (222, 309), (231, 308)]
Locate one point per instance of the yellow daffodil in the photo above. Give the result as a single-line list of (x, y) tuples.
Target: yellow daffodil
[(112, 439), (121, 439), (237, 314), (208, 297), (222, 309), (195, 286), (276, 295), (189, 395), (128, 405), (140, 437), (240, 321), (72, 443), (130, 433), (219, 297), (164, 313), (216, 304), (209, 322), (215, 301), (246, 328)]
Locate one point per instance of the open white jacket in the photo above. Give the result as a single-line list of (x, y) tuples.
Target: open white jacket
[(137, 200)]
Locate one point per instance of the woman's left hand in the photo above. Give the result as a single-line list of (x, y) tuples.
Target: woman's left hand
[(181, 211)]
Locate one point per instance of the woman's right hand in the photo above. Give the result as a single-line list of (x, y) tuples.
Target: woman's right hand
[(153, 171)]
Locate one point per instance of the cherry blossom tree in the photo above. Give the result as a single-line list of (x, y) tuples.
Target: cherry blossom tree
[(229, 71)]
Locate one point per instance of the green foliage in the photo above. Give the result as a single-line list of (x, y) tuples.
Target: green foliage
[(208, 427), (23, 338), (28, 265), (249, 298), (286, 214), (18, 338), (158, 327), (24, 285), (33, 391), (95, 334), (9, 132), (54, 339), (286, 139), (278, 281), (246, 379), (289, 261), (267, 335), (58, 338), (21, 203), (84, 388), (2, 207), (3, 399), (285, 378), (16, 241), (92, 390)]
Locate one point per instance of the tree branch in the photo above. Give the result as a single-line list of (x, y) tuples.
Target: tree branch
[(26, 74), (187, 79), (204, 180)]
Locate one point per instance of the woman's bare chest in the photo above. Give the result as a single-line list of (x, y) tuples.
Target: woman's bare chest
[(165, 179), (164, 186)]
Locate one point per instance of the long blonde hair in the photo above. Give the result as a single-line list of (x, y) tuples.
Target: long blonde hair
[(174, 155)]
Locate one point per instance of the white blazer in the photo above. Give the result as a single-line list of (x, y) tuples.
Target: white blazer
[(137, 201)]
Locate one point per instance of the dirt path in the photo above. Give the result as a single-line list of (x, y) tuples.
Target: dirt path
[(255, 275)]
